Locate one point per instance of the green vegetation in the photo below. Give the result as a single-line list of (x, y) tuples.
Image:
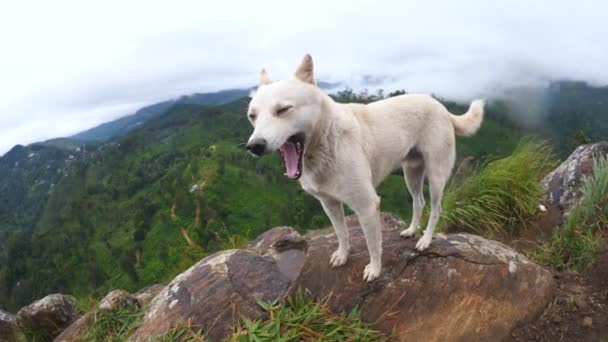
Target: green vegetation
[(183, 332), (114, 325), (32, 336), (302, 319), (575, 112), (502, 195), (575, 245)]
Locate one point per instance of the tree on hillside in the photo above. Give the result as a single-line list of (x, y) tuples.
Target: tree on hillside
[(580, 138)]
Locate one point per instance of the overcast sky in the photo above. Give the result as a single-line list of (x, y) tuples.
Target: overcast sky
[(69, 65)]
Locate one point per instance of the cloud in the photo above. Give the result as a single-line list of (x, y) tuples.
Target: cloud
[(69, 65)]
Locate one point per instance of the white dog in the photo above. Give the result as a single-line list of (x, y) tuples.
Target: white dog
[(342, 152)]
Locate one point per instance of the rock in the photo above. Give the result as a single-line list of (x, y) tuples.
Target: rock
[(556, 318), (573, 288), (118, 299), (286, 246), (145, 295), (48, 316), (581, 303), (564, 183), (77, 330), (279, 238), (8, 327), (463, 287), (216, 291), (587, 322)]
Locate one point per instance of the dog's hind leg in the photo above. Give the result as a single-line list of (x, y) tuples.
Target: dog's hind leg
[(414, 179), (335, 211), (438, 172)]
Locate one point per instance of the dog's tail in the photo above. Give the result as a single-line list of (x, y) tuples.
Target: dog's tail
[(468, 123)]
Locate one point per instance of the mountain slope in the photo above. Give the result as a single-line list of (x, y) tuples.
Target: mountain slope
[(127, 123)]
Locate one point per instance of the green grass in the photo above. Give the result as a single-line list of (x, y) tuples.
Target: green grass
[(302, 319), (502, 195), (575, 245), (32, 336), (86, 303), (113, 326), (299, 319), (183, 332)]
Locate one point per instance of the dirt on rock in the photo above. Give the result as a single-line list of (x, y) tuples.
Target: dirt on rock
[(579, 309)]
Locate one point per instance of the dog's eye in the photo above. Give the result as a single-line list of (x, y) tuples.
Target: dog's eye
[(283, 110), (252, 116)]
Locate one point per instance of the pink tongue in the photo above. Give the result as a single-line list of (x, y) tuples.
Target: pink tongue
[(291, 159)]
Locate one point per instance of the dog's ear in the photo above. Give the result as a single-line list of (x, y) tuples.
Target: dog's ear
[(264, 79), (305, 70)]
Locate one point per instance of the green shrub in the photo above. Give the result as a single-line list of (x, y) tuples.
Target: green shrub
[(502, 195), (575, 245)]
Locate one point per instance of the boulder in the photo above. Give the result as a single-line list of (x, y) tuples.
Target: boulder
[(564, 183), (77, 330), (8, 327), (118, 299), (145, 295), (463, 287), (48, 316), (219, 289)]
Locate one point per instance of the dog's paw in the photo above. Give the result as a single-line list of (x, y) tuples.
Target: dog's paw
[(339, 258), (406, 233), (371, 272), (424, 242)]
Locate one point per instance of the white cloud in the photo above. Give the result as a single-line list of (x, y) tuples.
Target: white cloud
[(68, 65)]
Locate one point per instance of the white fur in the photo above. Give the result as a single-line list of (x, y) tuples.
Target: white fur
[(351, 148)]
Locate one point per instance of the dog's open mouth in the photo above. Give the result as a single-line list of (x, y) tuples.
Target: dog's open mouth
[(292, 152)]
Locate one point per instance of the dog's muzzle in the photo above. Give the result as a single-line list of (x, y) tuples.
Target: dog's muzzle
[(257, 147)]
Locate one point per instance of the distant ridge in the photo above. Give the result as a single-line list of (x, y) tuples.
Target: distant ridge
[(121, 126)]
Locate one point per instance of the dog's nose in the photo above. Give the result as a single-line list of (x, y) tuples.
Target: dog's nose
[(257, 147)]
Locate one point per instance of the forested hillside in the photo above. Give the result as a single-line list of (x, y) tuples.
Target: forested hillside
[(576, 112)]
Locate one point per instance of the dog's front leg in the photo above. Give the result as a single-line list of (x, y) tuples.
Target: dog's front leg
[(335, 211), (368, 212)]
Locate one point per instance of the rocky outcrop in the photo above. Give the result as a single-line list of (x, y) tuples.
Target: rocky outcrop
[(564, 183), (214, 293), (8, 327), (49, 315), (462, 288), (118, 299), (77, 330), (145, 295)]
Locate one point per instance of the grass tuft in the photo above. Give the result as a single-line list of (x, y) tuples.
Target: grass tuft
[(182, 332), (302, 319), (575, 245), (32, 336), (502, 196), (114, 326)]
